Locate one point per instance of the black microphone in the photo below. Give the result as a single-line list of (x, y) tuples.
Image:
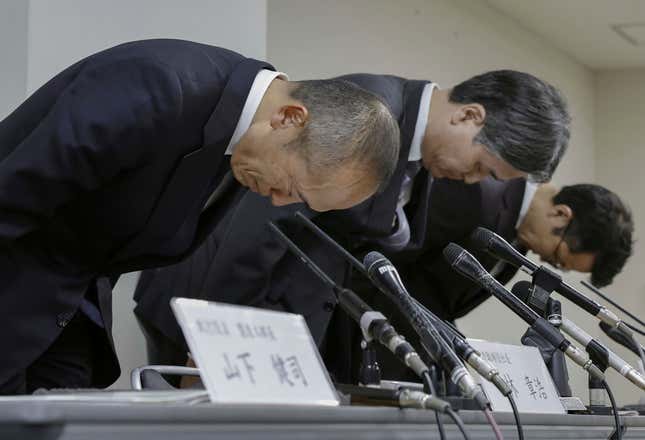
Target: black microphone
[(467, 265), (535, 296), (372, 323), (463, 349), (384, 276), (496, 246)]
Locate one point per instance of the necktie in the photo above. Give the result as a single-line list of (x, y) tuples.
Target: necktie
[(400, 236)]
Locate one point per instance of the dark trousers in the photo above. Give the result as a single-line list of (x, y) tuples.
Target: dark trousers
[(67, 363)]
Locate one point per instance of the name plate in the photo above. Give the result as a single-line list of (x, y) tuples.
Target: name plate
[(249, 355), (524, 370)]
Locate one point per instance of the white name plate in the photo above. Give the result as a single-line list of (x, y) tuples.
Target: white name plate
[(524, 370), (248, 355)]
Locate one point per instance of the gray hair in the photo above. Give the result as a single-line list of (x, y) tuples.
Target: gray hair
[(527, 122), (347, 125)]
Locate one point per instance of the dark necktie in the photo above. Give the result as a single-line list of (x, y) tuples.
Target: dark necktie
[(400, 236)]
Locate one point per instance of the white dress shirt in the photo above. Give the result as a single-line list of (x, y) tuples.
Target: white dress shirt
[(529, 192), (417, 139), (258, 89)]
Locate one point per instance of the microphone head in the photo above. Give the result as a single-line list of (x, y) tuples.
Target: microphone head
[(453, 253), (493, 244), (371, 258), (482, 238), (522, 289), (463, 262)]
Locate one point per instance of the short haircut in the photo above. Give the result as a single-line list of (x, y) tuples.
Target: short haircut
[(601, 224), (347, 124), (527, 122)]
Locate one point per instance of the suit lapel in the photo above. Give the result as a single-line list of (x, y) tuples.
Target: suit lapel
[(511, 205), (384, 205), (418, 211)]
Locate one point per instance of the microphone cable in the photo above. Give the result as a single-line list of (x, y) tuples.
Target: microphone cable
[(614, 408), (427, 383), (460, 424), (516, 414), (493, 424)]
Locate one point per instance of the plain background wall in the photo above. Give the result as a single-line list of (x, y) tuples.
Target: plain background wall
[(13, 50), (65, 31), (445, 41), (620, 156)]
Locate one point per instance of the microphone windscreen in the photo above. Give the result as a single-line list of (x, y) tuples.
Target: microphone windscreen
[(372, 258), (522, 289), (452, 252), (481, 238)]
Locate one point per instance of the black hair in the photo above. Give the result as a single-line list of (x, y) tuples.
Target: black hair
[(602, 224), (526, 124)]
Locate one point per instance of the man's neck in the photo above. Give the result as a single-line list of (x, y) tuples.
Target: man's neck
[(438, 109), (542, 200)]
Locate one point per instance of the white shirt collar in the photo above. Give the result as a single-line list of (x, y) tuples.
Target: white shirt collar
[(529, 192), (422, 122), (258, 89)]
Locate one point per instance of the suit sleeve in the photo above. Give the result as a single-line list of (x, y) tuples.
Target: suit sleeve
[(107, 121)]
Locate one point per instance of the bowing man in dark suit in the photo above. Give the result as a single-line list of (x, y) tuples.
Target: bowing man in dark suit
[(584, 227), (508, 124), (121, 162)]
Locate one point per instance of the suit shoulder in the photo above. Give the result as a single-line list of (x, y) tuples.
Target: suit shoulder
[(389, 88), (185, 58)]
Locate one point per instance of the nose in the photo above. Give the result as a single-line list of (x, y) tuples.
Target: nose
[(473, 177), (280, 198)]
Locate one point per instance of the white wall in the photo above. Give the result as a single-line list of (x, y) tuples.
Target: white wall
[(620, 157), (446, 41), (65, 31), (13, 53)]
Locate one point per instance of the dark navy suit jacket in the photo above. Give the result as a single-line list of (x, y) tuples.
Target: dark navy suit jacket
[(457, 208), (104, 170), (246, 264)]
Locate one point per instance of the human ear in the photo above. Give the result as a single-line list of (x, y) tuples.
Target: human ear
[(292, 115)]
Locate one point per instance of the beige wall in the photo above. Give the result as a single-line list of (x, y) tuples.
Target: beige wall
[(620, 157), (446, 41), (442, 40)]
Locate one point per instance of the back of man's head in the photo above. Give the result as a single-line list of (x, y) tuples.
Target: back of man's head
[(347, 125), (601, 224), (526, 124)]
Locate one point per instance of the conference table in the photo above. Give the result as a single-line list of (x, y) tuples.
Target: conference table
[(47, 418)]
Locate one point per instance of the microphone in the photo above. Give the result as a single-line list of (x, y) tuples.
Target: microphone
[(524, 290), (496, 246), (462, 347), (467, 265), (373, 324), (385, 276)]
